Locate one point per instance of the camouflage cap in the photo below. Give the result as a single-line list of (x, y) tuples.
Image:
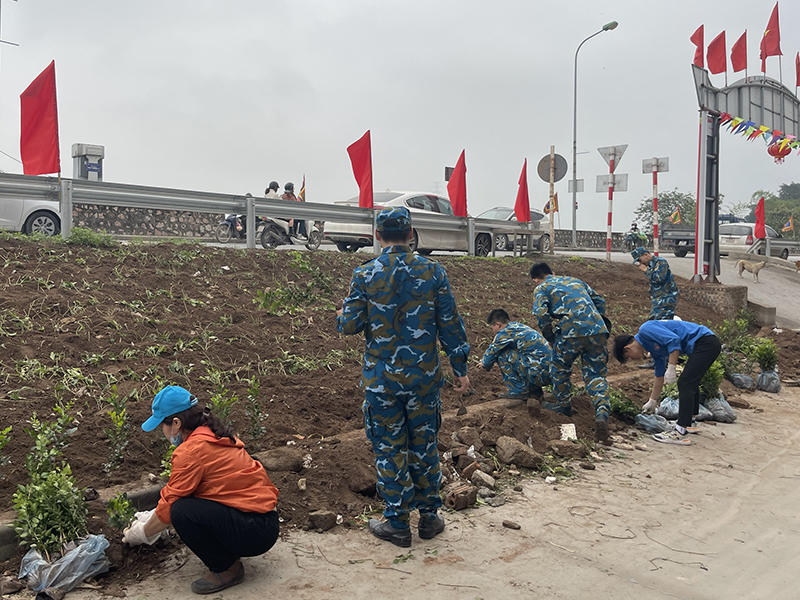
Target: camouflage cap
[(393, 219), (638, 253)]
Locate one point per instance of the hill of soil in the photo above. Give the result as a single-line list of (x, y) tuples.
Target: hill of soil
[(79, 325)]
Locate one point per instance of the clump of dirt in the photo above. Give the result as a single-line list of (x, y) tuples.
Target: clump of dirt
[(79, 324)]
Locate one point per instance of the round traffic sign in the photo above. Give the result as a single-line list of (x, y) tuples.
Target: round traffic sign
[(559, 168)]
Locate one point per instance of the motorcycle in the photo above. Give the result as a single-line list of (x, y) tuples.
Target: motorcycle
[(634, 239), (277, 232), (234, 227)]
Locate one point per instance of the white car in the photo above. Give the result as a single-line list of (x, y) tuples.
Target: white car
[(349, 237), (30, 216)]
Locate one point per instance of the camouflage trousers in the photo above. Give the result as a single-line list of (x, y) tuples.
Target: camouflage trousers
[(593, 352), (404, 431), (522, 371), (663, 308)]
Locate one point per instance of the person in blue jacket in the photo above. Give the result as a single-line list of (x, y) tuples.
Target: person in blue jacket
[(663, 289), (665, 341), (403, 304), (571, 316), (522, 354)]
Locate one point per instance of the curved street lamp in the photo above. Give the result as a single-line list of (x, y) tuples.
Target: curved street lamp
[(607, 27)]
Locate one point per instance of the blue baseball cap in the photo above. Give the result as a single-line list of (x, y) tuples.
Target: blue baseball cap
[(169, 401), (396, 218), (638, 252)]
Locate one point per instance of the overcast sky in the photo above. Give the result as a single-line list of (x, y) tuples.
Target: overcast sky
[(226, 96)]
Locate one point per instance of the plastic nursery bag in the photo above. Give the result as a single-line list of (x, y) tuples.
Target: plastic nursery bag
[(743, 382), (721, 410), (652, 423), (769, 381), (668, 408), (704, 414), (87, 559)]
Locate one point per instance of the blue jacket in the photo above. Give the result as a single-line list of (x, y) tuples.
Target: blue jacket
[(661, 338), (568, 307), (525, 339), (403, 303)]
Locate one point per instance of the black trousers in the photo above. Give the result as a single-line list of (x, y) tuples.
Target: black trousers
[(219, 535), (706, 351)]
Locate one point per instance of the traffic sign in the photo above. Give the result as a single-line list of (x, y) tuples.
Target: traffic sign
[(661, 164), (578, 184), (616, 151), (559, 168), (620, 183)]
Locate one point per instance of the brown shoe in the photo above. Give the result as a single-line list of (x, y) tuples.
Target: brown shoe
[(204, 586), (601, 432), (534, 408)]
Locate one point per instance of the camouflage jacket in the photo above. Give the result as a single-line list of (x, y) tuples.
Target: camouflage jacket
[(662, 283), (568, 307), (403, 303), (516, 335)]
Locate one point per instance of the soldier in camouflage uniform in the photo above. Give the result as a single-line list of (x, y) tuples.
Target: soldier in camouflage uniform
[(663, 289), (403, 303), (572, 318), (522, 354)]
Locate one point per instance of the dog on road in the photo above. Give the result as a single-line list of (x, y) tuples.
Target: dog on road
[(750, 267), (797, 266)]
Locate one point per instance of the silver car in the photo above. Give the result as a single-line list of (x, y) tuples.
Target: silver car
[(349, 237), (738, 237), (503, 242), (30, 216)]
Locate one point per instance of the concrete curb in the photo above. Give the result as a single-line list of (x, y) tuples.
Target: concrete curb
[(143, 499)]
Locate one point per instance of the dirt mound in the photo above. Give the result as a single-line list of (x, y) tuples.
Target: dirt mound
[(79, 324)]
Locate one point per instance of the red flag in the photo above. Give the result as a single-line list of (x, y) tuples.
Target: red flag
[(759, 230), (739, 53), (457, 187), (717, 60), (797, 69), (361, 158), (771, 42), (697, 40), (522, 208), (38, 140)]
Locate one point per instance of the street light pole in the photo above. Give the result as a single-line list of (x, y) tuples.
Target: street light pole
[(607, 27)]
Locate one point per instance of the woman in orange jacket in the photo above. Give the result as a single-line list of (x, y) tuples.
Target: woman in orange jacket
[(219, 499)]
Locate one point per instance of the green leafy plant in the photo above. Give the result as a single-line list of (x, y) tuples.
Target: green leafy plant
[(255, 414), (120, 431), (79, 236), (51, 510), (766, 354), (222, 401), (709, 384), (120, 511), (166, 463), (669, 391), (622, 406), (5, 437)]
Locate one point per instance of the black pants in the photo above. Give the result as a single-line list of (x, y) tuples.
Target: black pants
[(706, 351), (219, 535)]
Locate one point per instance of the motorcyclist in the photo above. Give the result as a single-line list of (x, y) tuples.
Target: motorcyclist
[(634, 237), (272, 190), (296, 226)]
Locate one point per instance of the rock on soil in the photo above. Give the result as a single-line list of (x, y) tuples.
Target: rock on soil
[(511, 450), (568, 449), (281, 459), (322, 520)]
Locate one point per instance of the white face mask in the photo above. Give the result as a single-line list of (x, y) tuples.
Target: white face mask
[(176, 438)]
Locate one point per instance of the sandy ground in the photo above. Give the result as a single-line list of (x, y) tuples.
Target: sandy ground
[(717, 519)]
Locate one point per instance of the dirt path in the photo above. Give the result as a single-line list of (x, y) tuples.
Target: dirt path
[(712, 520)]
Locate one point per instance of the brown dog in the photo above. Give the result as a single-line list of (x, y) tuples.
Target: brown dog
[(754, 268), (797, 266)]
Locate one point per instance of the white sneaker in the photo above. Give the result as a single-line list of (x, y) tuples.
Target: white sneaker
[(673, 437)]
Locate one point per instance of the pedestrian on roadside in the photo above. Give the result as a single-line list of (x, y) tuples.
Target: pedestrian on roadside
[(272, 190), (523, 356), (219, 500), (663, 289), (402, 303), (572, 318), (665, 341)]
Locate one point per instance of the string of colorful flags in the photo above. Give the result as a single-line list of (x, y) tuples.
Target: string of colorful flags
[(753, 131)]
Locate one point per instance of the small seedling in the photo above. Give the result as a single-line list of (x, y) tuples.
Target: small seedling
[(120, 511)]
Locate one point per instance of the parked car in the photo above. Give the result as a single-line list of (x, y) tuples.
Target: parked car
[(503, 242), (349, 237), (738, 237), (30, 216)]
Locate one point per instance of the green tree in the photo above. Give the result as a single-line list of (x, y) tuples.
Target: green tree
[(789, 191), (667, 203)]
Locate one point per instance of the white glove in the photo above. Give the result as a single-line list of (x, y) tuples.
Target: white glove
[(650, 406), (134, 534), (671, 376)]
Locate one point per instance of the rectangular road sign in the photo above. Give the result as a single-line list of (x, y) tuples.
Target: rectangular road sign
[(617, 151), (662, 165), (620, 183), (578, 184)]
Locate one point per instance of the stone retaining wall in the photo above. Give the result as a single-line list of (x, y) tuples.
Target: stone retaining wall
[(728, 300)]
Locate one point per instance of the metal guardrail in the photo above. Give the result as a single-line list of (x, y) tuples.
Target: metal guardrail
[(101, 193)]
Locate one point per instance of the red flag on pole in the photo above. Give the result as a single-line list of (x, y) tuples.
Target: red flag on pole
[(361, 158), (457, 187), (522, 207), (38, 140), (697, 40), (771, 42), (797, 69), (717, 60), (760, 232), (739, 53)]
